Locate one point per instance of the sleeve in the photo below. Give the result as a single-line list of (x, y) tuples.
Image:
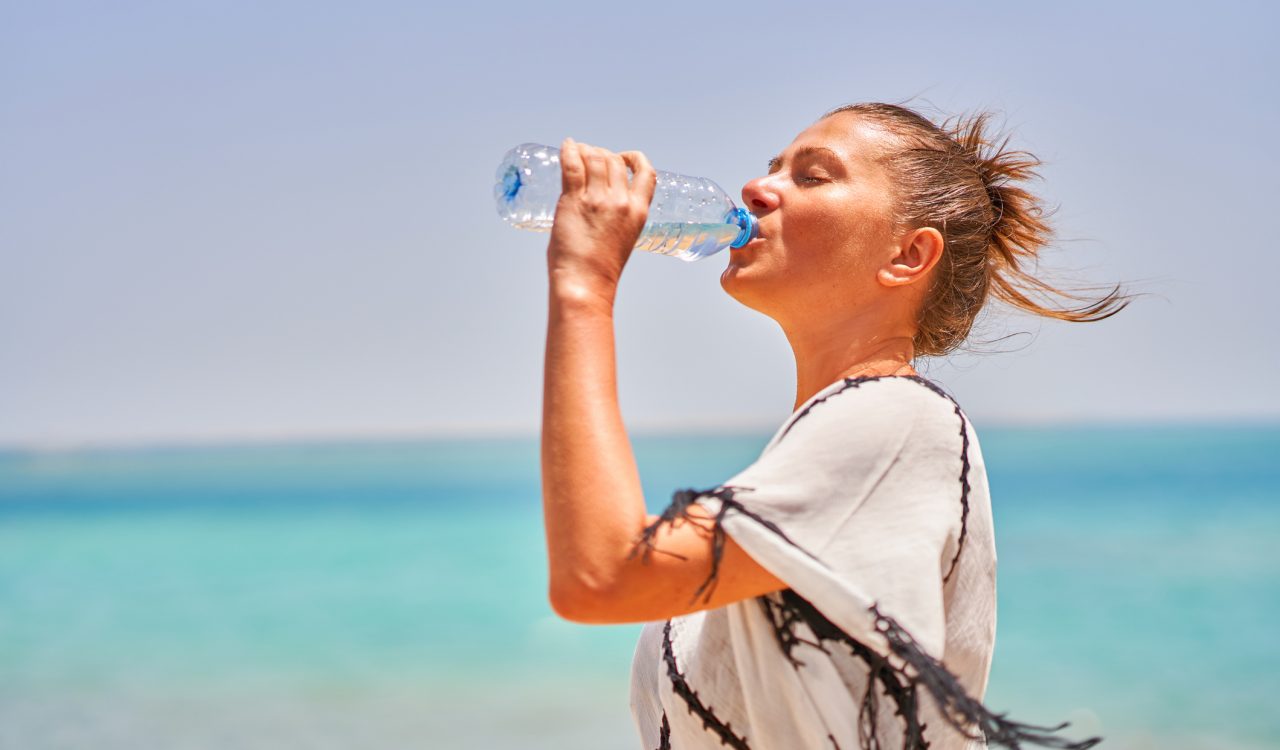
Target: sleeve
[(839, 508)]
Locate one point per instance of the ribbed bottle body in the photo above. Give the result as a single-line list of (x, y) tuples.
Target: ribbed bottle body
[(689, 218)]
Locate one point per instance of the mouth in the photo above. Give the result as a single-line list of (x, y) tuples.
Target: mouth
[(753, 243)]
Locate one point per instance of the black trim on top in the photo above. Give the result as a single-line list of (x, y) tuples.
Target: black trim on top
[(680, 686), (664, 733), (964, 469), (850, 383)]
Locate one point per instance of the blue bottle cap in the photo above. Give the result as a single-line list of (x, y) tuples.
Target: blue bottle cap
[(747, 223)]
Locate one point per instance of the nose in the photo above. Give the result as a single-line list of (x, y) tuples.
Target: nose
[(759, 195)]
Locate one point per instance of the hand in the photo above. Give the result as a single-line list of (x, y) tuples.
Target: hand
[(599, 215)]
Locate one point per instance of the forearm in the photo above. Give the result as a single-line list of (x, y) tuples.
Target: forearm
[(593, 504)]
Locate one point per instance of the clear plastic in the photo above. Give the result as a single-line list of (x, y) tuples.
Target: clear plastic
[(690, 218)]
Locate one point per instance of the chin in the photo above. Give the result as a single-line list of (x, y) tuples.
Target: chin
[(738, 282)]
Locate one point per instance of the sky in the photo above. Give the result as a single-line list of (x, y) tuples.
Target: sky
[(254, 221)]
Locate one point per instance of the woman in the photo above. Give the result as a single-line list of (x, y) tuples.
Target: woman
[(814, 599)]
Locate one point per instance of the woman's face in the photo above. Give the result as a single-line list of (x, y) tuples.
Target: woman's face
[(826, 224)]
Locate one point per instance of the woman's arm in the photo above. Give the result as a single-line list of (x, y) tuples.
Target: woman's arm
[(593, 504), (592, 498)]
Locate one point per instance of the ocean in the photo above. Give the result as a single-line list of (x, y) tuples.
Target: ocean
[(393, 594)]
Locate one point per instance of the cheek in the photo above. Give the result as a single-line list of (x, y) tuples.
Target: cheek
[(872, 229), (839, 240)]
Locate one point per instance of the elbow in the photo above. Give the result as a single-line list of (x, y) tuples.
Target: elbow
[(580, 601), (566, 606)]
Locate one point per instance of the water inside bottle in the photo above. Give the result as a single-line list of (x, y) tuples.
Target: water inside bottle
[(686, 241)]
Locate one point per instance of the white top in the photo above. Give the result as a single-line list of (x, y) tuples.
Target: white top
[(871, 503)]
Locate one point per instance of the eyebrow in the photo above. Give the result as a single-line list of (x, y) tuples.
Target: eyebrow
[(806, 151)]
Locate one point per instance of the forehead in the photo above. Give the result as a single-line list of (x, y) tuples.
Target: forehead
[(855, 139)]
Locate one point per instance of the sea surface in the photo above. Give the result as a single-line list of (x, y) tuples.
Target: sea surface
[(393, 594)]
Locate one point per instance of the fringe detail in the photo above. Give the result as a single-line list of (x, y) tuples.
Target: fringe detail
[(960, 710), (784, 619), (902, 683), (678, 511), (879, 670)]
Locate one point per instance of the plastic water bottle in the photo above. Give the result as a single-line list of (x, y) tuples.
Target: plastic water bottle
[(690, 217)]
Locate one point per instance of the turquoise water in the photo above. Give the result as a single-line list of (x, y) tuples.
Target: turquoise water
[(393, 595)]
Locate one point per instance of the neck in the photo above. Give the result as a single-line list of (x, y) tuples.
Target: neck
[(862, 346)]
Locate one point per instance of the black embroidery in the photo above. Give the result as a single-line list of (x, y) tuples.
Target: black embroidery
[(681, 688), (964, 469), (664, 734)]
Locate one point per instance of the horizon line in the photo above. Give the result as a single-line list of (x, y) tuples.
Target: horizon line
[(718, 428)]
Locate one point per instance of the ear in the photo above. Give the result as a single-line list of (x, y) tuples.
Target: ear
[(918, 252)]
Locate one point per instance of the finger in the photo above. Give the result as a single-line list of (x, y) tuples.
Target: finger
[(597, 165), (645, 180), (572, 171), (617, 174)]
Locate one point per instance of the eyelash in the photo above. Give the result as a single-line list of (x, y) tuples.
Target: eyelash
[(804, 178)]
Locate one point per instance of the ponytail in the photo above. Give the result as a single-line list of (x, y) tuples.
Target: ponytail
[(971, 187)]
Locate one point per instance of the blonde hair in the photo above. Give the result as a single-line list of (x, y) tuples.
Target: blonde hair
[(967, 184)]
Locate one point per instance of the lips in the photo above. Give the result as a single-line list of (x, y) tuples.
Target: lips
[(754, 241)]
